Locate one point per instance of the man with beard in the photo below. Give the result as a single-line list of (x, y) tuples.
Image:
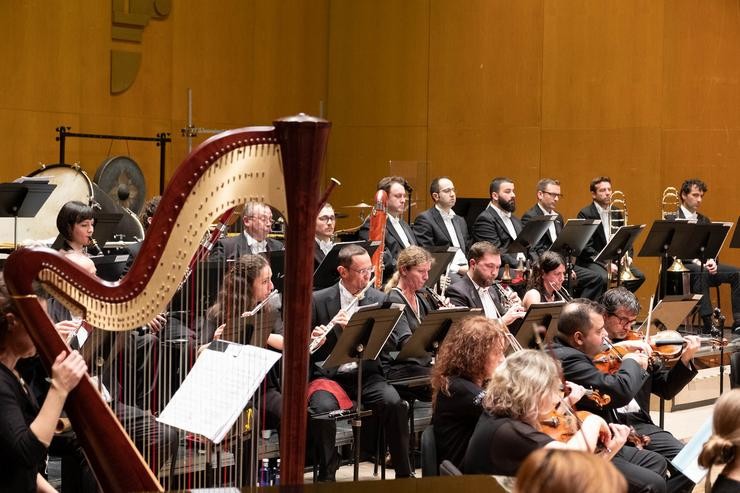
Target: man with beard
[(601, 193), (497, 224)]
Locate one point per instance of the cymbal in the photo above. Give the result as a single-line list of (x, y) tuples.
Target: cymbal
[(361, 205), (341, 215)]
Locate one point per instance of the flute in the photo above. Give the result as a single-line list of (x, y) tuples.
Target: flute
[(259, 306), (316, 341)]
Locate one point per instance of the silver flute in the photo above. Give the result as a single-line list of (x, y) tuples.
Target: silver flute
[(316, 341), (261, 304)]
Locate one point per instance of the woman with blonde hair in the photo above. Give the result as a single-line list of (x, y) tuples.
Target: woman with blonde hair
[(405, 288), (466, 360), (723, 447), (520, 397), (551, 470)]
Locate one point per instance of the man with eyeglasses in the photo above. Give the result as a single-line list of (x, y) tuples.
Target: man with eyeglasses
[(326, 221), (589, 284), (257, 218), (622, 309), (439, 226), (333, 304)]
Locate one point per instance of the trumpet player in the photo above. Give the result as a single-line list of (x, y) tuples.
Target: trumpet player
[(588, 283), (692, 194), (477, 288), (546, 283), (601, 194)]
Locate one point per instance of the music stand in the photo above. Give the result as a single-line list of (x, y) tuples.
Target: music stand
[(531, 234), (430, 333), (276, 258), (362, 339), (23, 199), (442, 257), (660, 243), (572, 240), (617, 246), (735, 243), (539, 315), (670, 312), (326, 273)]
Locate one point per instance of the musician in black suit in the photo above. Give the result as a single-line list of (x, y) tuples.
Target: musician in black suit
[(257, 218), (332, 304), (497, 223), (589, 284), (580, 337), (475, 290), (326, 221), (440, 226), (692, 194), (398, 233), (601, 193)]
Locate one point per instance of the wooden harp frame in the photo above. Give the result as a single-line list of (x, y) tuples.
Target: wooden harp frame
[(225, 171)]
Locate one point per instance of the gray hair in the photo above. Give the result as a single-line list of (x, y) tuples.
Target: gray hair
[(620, 297)]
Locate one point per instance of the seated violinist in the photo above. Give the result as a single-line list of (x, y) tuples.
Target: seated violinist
[(546, 283), (405, 288), (580, 339), (518, 406)]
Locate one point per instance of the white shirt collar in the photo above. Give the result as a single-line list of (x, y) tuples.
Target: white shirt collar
[(325, 245), (553, 213), (688, 214), (261, 246), (444, 214), (499, 211)]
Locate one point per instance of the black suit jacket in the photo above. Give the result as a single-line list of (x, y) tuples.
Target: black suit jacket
[(393, 244), (629, 382), (318, 255), (326, 304), (545, 242), (598, 239), (700, 218), (464, 293), (235, 246), (430, 230), (489, 227)]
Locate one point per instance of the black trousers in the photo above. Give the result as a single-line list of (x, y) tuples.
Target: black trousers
[(643, 470), (599, 270), (322, 434), (702, 281), (589, 283), (665, 444), (410, 369), (388, 409)]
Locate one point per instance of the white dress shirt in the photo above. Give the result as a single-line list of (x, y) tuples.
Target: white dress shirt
[(551, 226), (396, 224)]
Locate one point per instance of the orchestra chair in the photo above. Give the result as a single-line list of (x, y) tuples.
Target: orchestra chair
[(429, 464)]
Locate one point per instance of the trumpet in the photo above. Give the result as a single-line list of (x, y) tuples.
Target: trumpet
[(669, 204), (316, 341)]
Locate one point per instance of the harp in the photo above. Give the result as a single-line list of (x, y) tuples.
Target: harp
[(224, 172)]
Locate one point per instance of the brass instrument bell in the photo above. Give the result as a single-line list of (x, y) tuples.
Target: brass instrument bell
[(669, 204)]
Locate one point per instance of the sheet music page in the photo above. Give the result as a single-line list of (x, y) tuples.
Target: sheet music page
[(687, 460), (217, 389)]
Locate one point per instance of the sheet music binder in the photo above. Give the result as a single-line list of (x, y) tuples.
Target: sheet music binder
[(670, 312), (539, 315)]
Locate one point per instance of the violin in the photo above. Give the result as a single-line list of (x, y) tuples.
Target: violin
[(561, 426), (668, 344)]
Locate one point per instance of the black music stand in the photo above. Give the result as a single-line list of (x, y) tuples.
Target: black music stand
[(276, 258), (531, 234), (442, 257), (572, 240), (326, 273), (539, 315), (666, 239), (735, 243), (430, 333), (617, 246), (23, 199), (362, 339)]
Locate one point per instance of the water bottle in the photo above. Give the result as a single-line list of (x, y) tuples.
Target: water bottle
[(264, 479), (276, 474)]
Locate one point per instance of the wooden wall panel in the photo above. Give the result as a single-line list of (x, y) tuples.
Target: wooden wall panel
[(378, 62), (485, 64), (602, 64), (701, 71)]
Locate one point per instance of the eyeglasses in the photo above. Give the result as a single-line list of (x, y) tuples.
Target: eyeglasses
[(624, 320), (555, 195), (327, 219), (362, 272), (448, 190)]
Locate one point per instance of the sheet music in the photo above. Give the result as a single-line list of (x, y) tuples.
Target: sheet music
[(687, 460), (217, 389)]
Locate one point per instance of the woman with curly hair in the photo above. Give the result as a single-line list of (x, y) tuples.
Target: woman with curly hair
[(547, 280), (465, 361), (723, 447), (520, 397)]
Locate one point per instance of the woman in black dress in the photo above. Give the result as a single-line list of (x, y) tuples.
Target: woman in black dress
[(466, 360), (723, 447), (547, 279), (26, 429)]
